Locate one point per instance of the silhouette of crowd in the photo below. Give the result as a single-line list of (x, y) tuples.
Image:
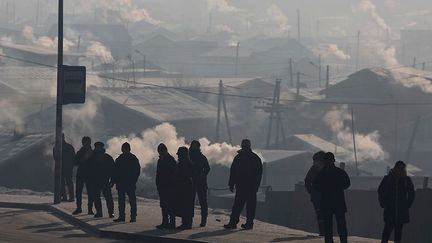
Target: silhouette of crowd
[(179, 182)]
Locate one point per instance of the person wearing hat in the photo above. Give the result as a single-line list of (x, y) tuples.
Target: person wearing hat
[(331, 183), (165, 184), (127, 170), (102, 167), (245, 178), (201, 168), (185, 190)]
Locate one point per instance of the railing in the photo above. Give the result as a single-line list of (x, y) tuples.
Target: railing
[(210, 189)]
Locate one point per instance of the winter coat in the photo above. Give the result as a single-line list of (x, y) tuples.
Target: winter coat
[(68, 158), (166, 181), (201, 168), (331, 183), (184, 189), (246, 171), (101, 168), (396, 195), (82, 162), (315, 196), (126, 171)]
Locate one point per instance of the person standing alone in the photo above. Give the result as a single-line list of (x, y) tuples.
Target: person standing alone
[(68, 159), (82, 162), (331, 183), (396, 195), (245, 177), (126, 173), (201, 168)]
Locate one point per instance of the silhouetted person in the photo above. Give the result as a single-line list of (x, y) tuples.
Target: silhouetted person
[(331, 182), (101, 171), (68, 159), (126, 173), (166, 185), (201, 168), (185, 189), (245, 177), (396, 195), (315, 196), (82, 158)]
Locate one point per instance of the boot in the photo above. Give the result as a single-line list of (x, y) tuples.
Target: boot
[(90, 211), (230, 226), (120, 219), (77, 211), (172, 222), (247, 226), (203, 221), (133, 219)]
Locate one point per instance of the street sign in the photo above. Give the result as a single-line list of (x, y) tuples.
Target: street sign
[(74, 84)]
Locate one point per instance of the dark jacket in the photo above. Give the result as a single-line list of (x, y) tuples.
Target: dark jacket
[(201, 168), (246, 171), (185, 191), (127, 169), (68, 158), (331, 182), (396, 195), (166, 181), (101, 167), (82, 162), (315, 196)]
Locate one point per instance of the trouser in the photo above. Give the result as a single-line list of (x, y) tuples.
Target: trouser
[(168, 216), (241, 198), (187, 220), (320, 219), (67, 182), (341, 226), (122, 201), (201, 191), (106, 191), (79, 186), (388, 228)]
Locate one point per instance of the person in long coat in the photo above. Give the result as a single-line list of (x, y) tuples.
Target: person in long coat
[(396, 195), (331, 183), (82, 162), (68, 161), (185, 190), (315, 196), (201, 168), (165, 183)]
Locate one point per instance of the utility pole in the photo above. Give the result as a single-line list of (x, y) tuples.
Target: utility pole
[(59, 110), (222, 102), (291, 72), (144, 61), (319, 70), (327, 76), (271, 116), (357, 51), (133, 71), (275, 114), (237, 59), (354, 140), (298, 86), (298, 26), (78, 44), (412, 139), (218, 112)]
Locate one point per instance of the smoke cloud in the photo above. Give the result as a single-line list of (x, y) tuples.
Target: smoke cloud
[(222, 6), (144, 145), (334, 50), (45, 41), (97, 49), (278, 17), (368, 146), (368, 7)]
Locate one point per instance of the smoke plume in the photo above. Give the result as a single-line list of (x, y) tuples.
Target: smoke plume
[(45, 41), (145, 144), (368, 7), (222, 6), (334, 50), (278, 17), (368, 146), (97, 49)]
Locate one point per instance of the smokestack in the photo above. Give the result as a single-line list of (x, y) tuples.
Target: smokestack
[(298, 26)]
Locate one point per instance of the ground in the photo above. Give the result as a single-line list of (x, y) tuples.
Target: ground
[(37, 225)]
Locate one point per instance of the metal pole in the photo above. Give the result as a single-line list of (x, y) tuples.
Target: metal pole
[(291, 72), (219, 111), (37, 13), (226, 117), (237, 59), (271, 118), (357, 51), (298, 85), (298, 25), (327, 77), (59, 109), (319, 71), (354, 140)]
